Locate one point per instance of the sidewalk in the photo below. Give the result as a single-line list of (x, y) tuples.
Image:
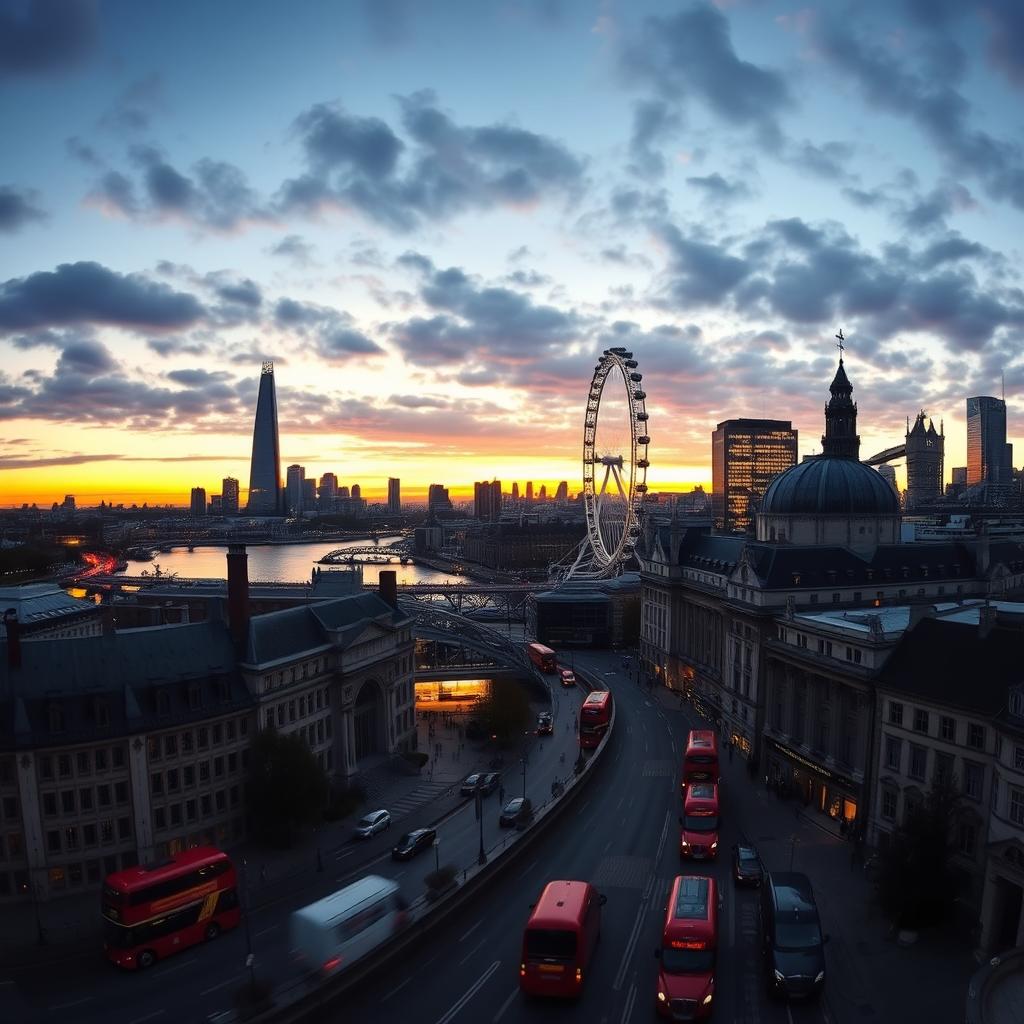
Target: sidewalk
[(871, 978), (71, 926)]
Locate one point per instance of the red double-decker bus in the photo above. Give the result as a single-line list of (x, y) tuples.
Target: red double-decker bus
[(700, 762), (154, 910), (543, 657), (595, 716)]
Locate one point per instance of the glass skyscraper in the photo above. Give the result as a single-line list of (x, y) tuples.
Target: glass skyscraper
[(265, 469), (988, 455)]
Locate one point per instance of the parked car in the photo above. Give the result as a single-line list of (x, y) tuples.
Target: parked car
[(568, 677), (545, 724), (791, 938), (412, 843), (490, 783), (471, 784), (510, 812), (746, 865), (370, 824)]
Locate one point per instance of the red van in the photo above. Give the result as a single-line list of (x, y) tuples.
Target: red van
[(686, 976), (560, 939)]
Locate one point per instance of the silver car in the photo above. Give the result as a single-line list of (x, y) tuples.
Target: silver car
[(370, 824)]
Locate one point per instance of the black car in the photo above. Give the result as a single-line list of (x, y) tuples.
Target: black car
[(470, 784), (791, 938), (510, 812), (746, 865), (412, 843), (490, 783), (545, 724)]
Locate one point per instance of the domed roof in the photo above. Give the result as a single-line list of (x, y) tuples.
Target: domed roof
[(830, 487)]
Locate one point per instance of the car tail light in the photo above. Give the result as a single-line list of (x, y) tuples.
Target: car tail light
[(522, 970), (329, 965), (579, 975)]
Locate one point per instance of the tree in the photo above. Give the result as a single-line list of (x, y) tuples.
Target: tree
[(917, 884), (286, 787), (505, 711)]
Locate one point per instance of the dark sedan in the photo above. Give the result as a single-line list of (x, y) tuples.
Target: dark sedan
[(471, 784), (490, 783), (412, 843), (510, 812), (746, 865)]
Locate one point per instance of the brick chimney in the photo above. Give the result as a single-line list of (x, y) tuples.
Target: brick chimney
[(388, 584), (238, 592), (14, 638), (988, 619)]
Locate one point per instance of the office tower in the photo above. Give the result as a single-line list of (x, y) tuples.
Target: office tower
[(309, 494), (988, 461), (198, 503), (888, 473), (437, 499), (216, 505), (529, 490), (515, 492), (229, 496), (293, 491), (543, 495), (265, 469), (487, 500), (394, 494), (328, 492), (745, 455), (342, 491), (357, 491), (959, 476), (69, 503), (562, 493), (926, 450)]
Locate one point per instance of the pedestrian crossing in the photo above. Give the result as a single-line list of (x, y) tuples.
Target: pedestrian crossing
[(414, 800)]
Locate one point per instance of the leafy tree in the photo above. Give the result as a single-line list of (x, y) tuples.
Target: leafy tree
[(286, 787), (505, 711), (917, 883)]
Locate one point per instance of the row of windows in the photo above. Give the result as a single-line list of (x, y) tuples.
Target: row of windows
[(96, 760), (306, 670), (175, 779), (10, 809), (972, 782), (202, 738), (190, 811), (966, 838), (195, 696), (66, 876), (921, 721), (84, 800), (85, 837), (296, 708)]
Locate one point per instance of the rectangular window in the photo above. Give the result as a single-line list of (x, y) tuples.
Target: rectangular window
[(46, 767), (103, 795), (943, 767), (173, 782), (175, 810), (159, 818), (190, 810), (918, 762), (186, 742), (124, 828), (189, 776), (71, 838), (203, 737), (53, 841), (205, 805), (1018, 758), (966, 838), (895, 712), (243, 727), (67, 801), (88, 836), (156, 784), (974, 780), (84, 762), (170, 745), (118, 755), (232, 761), (947, 728), (101, 759), (218, 766), (121, 792), (106, 831), (921, 720), (1017, 805), (230, 729), (153, 748), (85, 799), (204, 771), (217, 737), (64, 766), (976, 736), (50, 805)]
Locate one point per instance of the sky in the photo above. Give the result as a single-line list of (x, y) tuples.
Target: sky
[(433, 218)]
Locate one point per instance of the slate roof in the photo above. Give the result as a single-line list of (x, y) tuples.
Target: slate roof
[(951, 663), (831, 486)]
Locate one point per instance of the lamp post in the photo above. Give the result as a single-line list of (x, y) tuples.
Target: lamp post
[(250, 955), (523, 761), (482, 857)]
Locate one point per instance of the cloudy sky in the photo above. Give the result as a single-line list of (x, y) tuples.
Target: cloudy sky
[(432, 217)]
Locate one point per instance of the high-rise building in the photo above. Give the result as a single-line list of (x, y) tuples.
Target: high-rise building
[(437, 499), (926, 448), (357, 491), (487, 499), (515, 492), (394, 494), (543, 495), (68, 504), (529, 490), (216, 505), (229, 496), (309, 494), (988, 461), (293, 490), (342, 491), (265, 469), (198, 503), (959, 476), (745, 455), (328, 492), (888, 474), (562, 493)]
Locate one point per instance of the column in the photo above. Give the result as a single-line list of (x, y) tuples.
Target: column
[(138, 774), (348, 727), (31, 823)]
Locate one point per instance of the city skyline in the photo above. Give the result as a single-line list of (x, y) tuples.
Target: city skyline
[(433, 253)]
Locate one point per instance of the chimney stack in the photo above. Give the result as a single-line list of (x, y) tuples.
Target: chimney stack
[(388, 584), (238, 592), (988, 619), (14, 638)]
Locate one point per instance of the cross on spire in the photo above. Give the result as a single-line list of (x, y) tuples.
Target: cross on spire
[(840, 345)]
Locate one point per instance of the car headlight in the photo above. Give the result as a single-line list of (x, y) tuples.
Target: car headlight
[(820, 978), (779, 976), (708, 998), (714, 845), (661, 997), (684, 844)]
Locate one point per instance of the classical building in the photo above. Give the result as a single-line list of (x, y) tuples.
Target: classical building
[(125, 746), (926, 451), (45, 611)]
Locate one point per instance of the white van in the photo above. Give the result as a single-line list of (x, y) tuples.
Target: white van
[(338, 930)]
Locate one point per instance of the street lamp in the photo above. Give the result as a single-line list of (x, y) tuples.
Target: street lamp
[(482, 857), (524, 761), (250, 955)]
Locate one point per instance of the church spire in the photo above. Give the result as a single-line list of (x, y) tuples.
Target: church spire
[(840, 440)]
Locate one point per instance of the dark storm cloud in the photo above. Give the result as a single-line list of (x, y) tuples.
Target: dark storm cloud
[(90, 358), (86, 292), (333, 331), (691, 54), (18, 207), (1006, 43), (45, 36), (654, 122), (197, 378), (700, 273), (718, 190), (361, 163), (950, 249), (172, 346)]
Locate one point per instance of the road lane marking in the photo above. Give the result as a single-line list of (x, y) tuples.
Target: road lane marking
[(471, 930), (661, 841), (67, 1006), (395, 990), (627, 1010), (470, 992), (178, 967), (505, 1005), (472, 952), (630, 946), (584, 807), (149, 1016), (789, 1013), (529, 869), (266, 931), (223, 984)]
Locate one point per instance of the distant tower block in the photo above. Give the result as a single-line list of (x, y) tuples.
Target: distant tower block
[(265, 470), (926, 448)]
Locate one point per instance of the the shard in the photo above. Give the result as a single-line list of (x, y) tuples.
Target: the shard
[(265, 470)]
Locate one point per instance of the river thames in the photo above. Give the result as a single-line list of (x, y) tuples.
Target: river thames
[(284, 563)]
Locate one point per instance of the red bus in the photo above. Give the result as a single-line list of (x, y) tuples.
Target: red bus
[(699, 837), (700, 763), (560, 938), (154, 910), (543, 657), (686, 978), (595, 715)]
